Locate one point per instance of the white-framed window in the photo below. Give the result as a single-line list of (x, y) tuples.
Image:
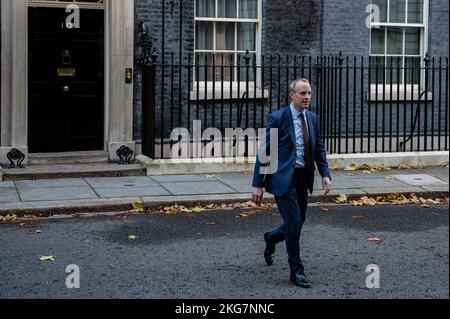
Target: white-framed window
[(399, 40), (224, 31)]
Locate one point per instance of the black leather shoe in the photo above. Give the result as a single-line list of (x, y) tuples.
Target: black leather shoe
[(269, 251), (300, 280)]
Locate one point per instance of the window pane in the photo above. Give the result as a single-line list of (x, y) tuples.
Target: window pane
[(246, 36), (397, 11), (204, 35), (226, 70), (382, 5), (250, 70), (205, 69), (412, 69), (412, 41), (377, 69), (206, 8), (395, 41), (394, 70), (415, 11), (377, 37), (248, 9), (225, 36), (226, 9)]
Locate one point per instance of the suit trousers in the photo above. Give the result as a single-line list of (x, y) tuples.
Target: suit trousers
[(292, 207)]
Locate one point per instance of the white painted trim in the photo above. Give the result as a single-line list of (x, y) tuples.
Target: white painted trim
[(423, 27), (107, 72), (14, 92), (54, 4), (258, 40)]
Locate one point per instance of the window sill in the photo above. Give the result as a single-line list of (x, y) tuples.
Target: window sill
[(235, 94), (401, 95)]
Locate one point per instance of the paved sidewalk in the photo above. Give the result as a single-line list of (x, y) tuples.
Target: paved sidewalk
[(119, 193)]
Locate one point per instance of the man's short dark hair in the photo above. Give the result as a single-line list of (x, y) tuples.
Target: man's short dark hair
[(293, 84)]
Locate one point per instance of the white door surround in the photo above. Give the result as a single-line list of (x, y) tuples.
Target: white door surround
[(119, 55)]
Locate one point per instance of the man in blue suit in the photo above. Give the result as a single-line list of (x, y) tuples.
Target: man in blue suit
[(298, 146)]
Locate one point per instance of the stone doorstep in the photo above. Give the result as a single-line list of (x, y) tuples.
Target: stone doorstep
[(68, 158), (58, 171), (45, 209)]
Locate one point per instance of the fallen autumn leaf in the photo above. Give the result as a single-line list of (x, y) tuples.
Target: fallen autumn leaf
[(47, 258), (138, 207)]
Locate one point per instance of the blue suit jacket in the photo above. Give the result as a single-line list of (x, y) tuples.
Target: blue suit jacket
[(278, 183)]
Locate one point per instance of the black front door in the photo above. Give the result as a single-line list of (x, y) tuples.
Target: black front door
[(66, 81)]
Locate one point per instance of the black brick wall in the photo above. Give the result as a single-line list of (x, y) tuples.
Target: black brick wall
[(344, 27), (292, 27), (287, 29), (438, 28)]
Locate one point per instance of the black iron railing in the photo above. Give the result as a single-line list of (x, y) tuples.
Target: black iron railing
[(365, 105)]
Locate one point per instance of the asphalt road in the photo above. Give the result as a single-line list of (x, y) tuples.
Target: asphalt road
[(217, 255)]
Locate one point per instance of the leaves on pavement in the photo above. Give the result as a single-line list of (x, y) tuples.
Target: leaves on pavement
[(404, 166), (11, 217), (351, 167), (365, 201), (341, 199), (138, 207), (197, 210), (394, 199), (185, 210)]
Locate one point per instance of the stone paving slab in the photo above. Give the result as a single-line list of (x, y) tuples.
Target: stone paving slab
[(195, 188), (339, 191), (94, 194), (60, 193), (444, 178), (121, 182), (420, 180), (235, 178), (436, 188), (115, 192), (389, 190), (373, 183), (51, 183), (9, 195), (183, 178), (7, 184), (241, 188)]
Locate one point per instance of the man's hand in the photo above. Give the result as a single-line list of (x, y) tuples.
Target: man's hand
[(326, 182), (257, 195)]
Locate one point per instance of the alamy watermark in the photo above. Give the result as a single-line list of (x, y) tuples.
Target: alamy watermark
[(73, 17), (374, 16), (373, 279), (234, 147), (73, 280)]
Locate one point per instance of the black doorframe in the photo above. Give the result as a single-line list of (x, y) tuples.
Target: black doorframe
[(70, 125)]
